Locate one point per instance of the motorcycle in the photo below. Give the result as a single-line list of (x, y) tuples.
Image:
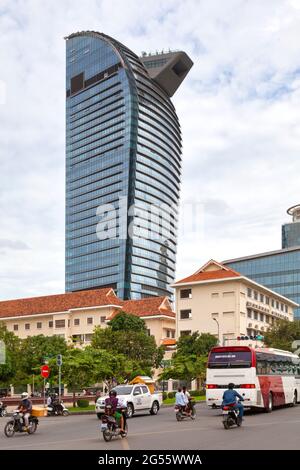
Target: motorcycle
[(230, 415), (3, 410), (183, 413), (57, 409), (109, 425), (16, 424)]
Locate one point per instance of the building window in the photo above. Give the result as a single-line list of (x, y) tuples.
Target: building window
[(185, 314), (90, 320), (286, 309), (50, 324), (88, 338), (267, 300), (261, 316), (148, 331), (39, 325), (69, 323), (255, 295), (249, 292), (267, 319), (249, 313), (60, 323), (186, 293), (168, 333), (277, 304), (255, 316), (273, 303), (27, 326), (282, 307), (215, 295), (262, 298), (173, 334), (185, 332), (76, 321), (228, 294), (16, 327), (102, 319)]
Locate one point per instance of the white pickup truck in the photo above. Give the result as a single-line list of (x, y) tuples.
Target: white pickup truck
[(135, 397)]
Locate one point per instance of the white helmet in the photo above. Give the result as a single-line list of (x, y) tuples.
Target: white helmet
[(24, 395)]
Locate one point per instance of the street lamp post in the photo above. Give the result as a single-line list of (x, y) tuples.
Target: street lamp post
[(218, 329)]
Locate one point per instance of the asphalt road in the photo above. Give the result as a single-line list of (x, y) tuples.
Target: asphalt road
[(277, 430)]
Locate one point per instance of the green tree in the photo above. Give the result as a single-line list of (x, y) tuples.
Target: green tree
[(282, 335), (78, 370), (34, 350), (136, 345), (186, 368), (124, 322), (197, 344), (12, 346)]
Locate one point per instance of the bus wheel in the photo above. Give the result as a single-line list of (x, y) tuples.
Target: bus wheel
[(294, 403), (269, 407)]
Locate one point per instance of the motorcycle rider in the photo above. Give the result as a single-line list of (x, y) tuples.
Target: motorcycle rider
[(113, 401), (25, 407), (179, 398), (230, 396), (187, 399)]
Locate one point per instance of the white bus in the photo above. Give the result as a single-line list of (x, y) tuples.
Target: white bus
[(265, 377)]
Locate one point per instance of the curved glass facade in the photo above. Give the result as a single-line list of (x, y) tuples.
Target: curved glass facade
[(123, 162)]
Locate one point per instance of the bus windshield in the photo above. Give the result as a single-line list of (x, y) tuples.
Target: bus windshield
[(229, 359)]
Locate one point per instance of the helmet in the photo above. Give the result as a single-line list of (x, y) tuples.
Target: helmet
[(231, 385), (112, 393), (24, 395)]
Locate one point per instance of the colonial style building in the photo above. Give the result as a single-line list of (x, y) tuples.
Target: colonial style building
[(221, 301), (75, 315)]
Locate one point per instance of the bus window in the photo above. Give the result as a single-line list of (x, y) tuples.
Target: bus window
[(229, 359)]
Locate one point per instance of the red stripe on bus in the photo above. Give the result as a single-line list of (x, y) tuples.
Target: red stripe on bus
[(272, 384)]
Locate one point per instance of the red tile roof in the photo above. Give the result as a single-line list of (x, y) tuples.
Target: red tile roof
[(209, 275), (149, 306), (58, 303), (168, 342)]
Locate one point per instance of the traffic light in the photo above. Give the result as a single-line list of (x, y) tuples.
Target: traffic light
[(59, 359)]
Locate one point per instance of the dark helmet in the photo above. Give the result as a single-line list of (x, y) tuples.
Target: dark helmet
[(231, 385), (112, 393)]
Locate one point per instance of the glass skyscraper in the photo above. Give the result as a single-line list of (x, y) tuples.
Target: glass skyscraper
[(123, 162), (279, 270)]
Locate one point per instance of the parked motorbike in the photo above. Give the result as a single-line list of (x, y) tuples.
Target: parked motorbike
[(109, 425), (3, 410), (16, 424), (188, 412), (57, 409), (230, 416)]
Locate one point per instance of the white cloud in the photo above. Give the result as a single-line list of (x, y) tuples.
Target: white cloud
[(239, 110)]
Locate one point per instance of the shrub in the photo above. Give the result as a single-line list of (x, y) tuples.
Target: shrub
[(81, 403), (171, 394), (165, 395), (194, 393), (202, 392)]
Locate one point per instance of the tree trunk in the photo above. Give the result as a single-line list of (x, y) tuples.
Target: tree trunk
[(74, 400)]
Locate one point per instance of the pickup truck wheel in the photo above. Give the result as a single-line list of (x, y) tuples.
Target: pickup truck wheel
[(130, 410), (154, 408)]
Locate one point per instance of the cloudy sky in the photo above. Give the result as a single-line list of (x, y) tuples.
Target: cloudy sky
[(239, 109)]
